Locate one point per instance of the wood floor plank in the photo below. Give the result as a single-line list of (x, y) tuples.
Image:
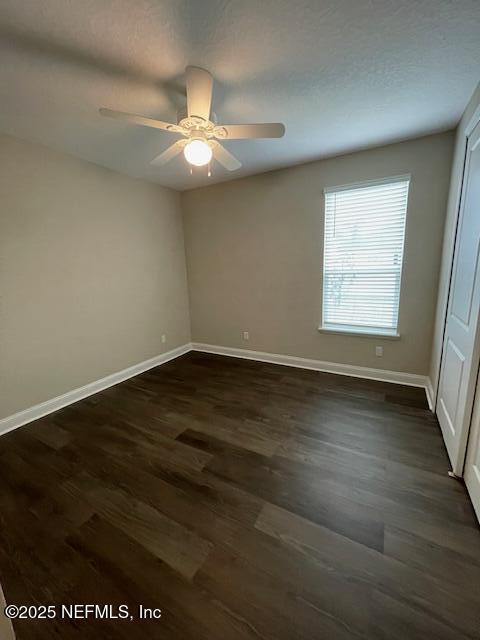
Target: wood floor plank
[(186, 497), (284, 482), (50, 434), (250, 592), (461, 537), (442, 600), (395, 620), (333, 460), (187, 612), (180, 548), (155, 445), (435, 559), (328, 592), (241, 434)]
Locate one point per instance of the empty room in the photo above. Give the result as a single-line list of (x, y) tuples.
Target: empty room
[(239, 320)]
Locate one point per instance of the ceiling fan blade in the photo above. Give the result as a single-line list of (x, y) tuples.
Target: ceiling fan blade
[(225, 158), (239, 131), (199, 92), (169, 153), (142, 120)]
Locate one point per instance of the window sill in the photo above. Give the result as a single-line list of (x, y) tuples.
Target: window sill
[(359, 333)]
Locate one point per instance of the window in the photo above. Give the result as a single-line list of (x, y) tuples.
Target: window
[(363, 252)]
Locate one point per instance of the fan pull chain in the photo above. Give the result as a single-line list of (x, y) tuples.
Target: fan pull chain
[(209, 172)]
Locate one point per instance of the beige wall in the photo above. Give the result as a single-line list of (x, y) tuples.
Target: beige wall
[(254, 256), (449, 236), (92, 272), (6, 628)]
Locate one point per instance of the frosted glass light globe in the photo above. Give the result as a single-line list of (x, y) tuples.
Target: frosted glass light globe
[(197, 152)]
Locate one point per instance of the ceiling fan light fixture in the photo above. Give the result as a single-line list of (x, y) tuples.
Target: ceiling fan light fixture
[(198, 128), (198, 152)]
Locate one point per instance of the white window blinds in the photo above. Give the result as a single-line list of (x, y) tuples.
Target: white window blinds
[(363, 252)]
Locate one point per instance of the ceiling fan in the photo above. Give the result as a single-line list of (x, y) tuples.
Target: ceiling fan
[(197, 125)]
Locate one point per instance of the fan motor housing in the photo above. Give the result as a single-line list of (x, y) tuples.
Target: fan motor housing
[(192, 123)]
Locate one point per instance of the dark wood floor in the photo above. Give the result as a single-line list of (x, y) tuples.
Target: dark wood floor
[(247, 501)]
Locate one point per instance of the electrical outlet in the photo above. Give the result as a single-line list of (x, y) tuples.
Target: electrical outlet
[(246, 335), (379, 352), (164, 338)]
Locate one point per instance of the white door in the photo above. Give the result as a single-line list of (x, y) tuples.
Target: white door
[(461, 345), (472, 463)]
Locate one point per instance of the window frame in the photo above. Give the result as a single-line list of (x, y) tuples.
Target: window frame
[(358, 330)]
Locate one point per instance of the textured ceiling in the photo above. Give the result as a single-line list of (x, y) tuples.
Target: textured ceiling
[(341, 74)]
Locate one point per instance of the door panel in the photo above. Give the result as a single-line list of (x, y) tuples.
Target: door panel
[(460, 351), (465, 285), (452, 382)]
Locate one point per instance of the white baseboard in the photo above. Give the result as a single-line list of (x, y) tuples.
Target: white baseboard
[(39, 410), (44, 408), (383, 375), (430, 394)]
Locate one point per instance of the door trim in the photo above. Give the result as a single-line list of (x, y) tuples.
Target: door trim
[(469, 127), (458, 466)]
